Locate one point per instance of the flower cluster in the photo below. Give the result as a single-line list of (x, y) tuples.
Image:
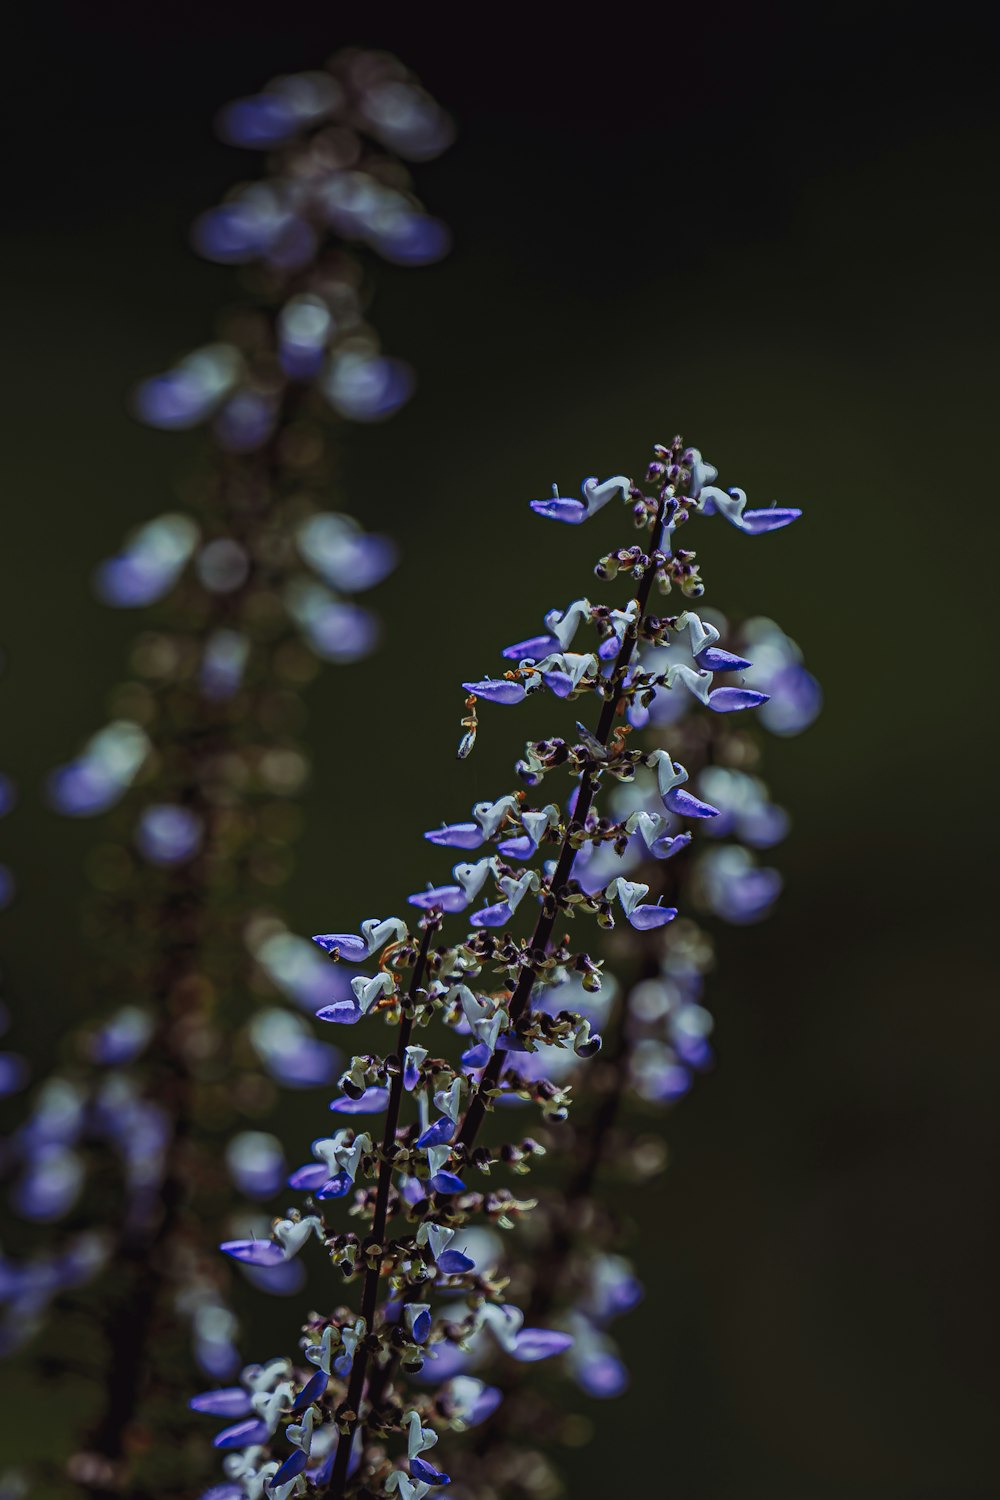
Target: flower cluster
[(252, 585), (657, 1036), (533, 1017)]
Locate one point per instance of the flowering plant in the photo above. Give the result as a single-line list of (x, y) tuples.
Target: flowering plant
[(378, 1387)]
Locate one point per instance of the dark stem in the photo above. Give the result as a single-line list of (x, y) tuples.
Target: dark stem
[(143, 1252), (542, 936), (373, 1244), (144, 1258)]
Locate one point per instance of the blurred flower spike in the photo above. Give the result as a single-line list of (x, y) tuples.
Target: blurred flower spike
[(250, 585)]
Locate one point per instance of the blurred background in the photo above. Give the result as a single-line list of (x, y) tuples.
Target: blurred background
[(773, 230)]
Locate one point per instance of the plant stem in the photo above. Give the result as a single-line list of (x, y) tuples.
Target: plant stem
[(542, 936), (369, 1295)]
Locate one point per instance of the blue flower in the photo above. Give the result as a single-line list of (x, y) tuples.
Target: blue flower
[(448, 897), (242, 1434), (595, 495), (532, 649), (313, 1390), (168, 834), (254, 1252), (446, 1183), (497, 690), (437, 1134), (685, 805), (732, 505), (372, 1102), (457, 835), (293, 1465), (231, 1401), (423, 1471)]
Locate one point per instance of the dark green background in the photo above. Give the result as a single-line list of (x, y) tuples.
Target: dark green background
[(772, 230)]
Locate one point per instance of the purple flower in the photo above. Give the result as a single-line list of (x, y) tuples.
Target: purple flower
[(685, 805), (448, 897), (533, 649), (645, 918), (368, 388), (756, 521), (254, 1252), (446, 1183), (336, 1187), (343, 555), (372, 1102), (245, 422), (231, 1401), (293, 1465), (595, 495), (341, 1012), (242, 1435), (437, 1134), (188, 394), (423, 1471), (727, 700), (712, 659), (168, 834), (256, 1163), (346, 945), (497, 690), (311, 1176), (492, 916), (313, 1390), (533, 1344), (454, 1263), (457, 835), (602, 1375), (258, 122), (414, 239)]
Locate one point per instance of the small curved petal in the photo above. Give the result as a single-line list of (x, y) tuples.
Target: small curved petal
[(523, 847), (437, 1134), (686, 805), (456, 835), (342, 1012), (306, 1179), (714, 659), (293, 1465), (446, 1183), (348, 946), (602, 1375), (336, 1187), (242, 1434), (558, 508), (230, 1401), (454, 1263), (728, 700), (313, 1389), (532, 1344), (476, 1057), (558, 683), (254, 1252), (645, 918), (497, 690), (492, 916), (372, 1102), (756, 521), (448, 897), (423, 1471), (533, 649)]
